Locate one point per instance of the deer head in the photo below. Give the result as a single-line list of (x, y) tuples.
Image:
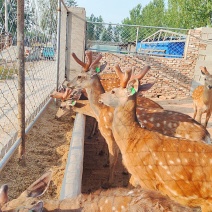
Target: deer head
[(170, 165), (208, 77), (119, 199), (27, 200)]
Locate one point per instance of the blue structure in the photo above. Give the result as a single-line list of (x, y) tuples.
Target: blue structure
[(166, 48), (48, 52), (163, 43)]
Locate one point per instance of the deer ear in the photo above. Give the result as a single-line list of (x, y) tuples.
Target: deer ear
[(39, 187), (37, 207), (204, 70), (97, 68), (145, 87), (132, 87)]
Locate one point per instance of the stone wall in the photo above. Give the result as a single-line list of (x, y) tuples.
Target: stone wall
[(204, 57), (173, 77)]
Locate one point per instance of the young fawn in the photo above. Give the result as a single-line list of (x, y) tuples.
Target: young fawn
[(117, 199), (177, 167), (202, 98)]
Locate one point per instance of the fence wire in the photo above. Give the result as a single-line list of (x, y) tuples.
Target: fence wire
[(136, 39), (40, 63)]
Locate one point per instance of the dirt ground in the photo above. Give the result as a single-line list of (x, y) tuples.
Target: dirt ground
[(47, 147)]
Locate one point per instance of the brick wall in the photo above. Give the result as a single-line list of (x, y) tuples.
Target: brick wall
[(173, 76)]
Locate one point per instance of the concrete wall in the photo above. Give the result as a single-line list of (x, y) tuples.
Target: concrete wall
[(75, 39)]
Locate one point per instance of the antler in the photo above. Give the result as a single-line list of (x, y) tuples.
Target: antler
[(89, 64), (124, 77), (96, 61), (141, 74), (127, 76), (86, 65)]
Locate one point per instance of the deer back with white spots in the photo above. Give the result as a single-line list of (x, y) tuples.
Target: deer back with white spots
[(117, 199), (202, 98), (153, 117), (177, 167)]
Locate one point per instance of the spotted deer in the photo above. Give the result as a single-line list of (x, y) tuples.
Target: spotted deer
[(92, 84), (177, 167), (167, 122), (116, 199), (71, 102), (202, 98), (152, 116)]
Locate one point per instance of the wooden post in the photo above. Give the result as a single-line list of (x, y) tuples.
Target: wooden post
[(21, 79)]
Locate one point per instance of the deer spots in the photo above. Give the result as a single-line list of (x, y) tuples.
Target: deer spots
[(122, 207), (178, 160), (171, 162), (150, 167), (168, 172), (158, 125)]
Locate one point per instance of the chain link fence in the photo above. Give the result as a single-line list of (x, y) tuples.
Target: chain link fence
[(136, 39), (41, 63)]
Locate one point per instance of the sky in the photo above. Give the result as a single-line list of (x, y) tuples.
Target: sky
[(112, 11)]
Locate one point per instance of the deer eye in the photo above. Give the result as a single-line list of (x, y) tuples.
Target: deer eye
[(112, 91), (79, 77)]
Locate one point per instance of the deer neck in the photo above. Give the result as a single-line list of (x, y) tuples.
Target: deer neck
[(94, 91), (207, 96), (124, 123)]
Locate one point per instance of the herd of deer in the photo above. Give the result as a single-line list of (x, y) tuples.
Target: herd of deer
[(167, 153)]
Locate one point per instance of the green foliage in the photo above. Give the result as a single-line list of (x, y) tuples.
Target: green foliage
[(177, 14), (95, 29), (7, 73), (50, 13), (70, 3)]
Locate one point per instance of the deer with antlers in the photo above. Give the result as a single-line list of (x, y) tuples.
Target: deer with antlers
[(149, 114), (117, 199), (104, 115), (202, 98), (177, 167)]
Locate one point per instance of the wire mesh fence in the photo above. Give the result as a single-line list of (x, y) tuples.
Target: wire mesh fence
[(135, 39), (40, 42)]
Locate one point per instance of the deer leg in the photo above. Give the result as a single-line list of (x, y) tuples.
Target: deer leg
[(199, 116), (113, 157), (94, 129), (195, 111), (208, 115)]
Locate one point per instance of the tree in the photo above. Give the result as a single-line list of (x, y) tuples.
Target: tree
[(70, 3), (49, 18), (94, 29)]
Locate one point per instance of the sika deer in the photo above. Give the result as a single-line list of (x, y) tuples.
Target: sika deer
[(202, 98), (90, 81), (177, 167), (70, 102), (167, 122), (117, 199)]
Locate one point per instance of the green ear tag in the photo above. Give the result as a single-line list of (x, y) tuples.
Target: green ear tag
[(133, 91), (73, 102), (97, 69)]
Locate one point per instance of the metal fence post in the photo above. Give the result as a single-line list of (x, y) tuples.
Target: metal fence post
[(21, 77), (136, 40), (58, 41), (6, 24), (66, 54)]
